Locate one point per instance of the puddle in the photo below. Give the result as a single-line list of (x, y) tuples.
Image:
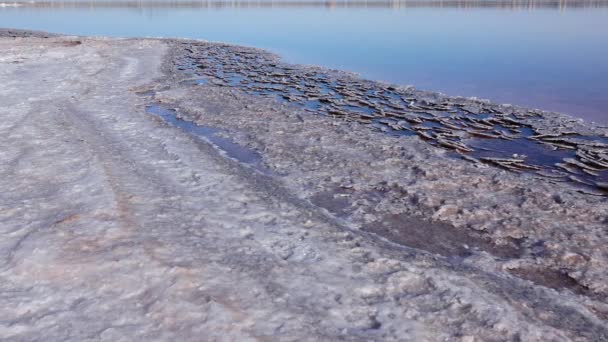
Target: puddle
[(211, 135), (535, 153), (561, 164)]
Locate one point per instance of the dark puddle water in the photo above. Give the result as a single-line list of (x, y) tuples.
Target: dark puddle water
[(211, 135), (535, 153), (550, 160)]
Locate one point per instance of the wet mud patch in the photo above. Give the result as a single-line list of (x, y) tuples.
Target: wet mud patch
[(211, 135), (551, 278), (437, 237), (145, 93), (336, 201), (474, 130), (71, 43)]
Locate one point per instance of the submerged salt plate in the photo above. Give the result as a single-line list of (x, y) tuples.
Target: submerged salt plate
[(480, 132)]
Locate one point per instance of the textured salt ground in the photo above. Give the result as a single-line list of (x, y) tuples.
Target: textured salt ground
[(369, 179), (118, 226)]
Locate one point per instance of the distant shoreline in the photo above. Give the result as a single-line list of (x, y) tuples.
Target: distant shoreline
[(457, 4)]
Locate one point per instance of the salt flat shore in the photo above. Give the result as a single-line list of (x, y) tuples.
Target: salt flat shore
[(139, 202)]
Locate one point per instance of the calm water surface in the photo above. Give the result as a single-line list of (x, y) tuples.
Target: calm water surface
[(550, 55)]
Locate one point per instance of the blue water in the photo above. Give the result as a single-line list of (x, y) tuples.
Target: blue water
[(545, 55)]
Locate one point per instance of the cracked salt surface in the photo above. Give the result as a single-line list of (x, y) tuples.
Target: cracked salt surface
[(465, 126)]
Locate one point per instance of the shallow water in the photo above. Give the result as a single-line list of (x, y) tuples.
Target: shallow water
[(548, 55), (211, 135)]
